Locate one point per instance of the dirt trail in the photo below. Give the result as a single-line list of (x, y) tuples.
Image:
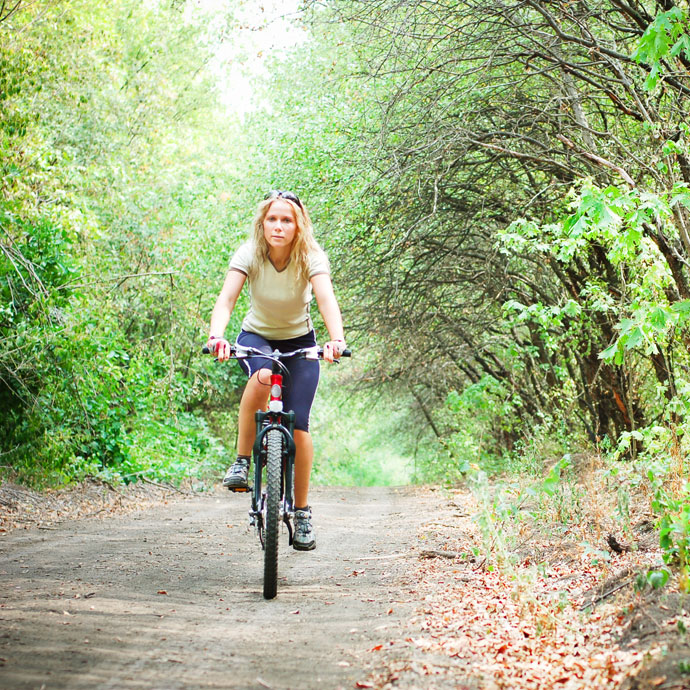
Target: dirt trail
[(171, 597)]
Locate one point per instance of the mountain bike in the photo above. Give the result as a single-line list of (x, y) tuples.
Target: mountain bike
[(272, 495)]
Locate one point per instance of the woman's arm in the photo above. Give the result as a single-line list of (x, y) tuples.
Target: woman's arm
[(330, 312), (220, 316)]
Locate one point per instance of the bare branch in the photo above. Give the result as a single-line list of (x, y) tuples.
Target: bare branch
[(597, 159)]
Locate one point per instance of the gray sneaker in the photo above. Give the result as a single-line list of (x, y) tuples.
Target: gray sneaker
[(304, 533), (236, 477)]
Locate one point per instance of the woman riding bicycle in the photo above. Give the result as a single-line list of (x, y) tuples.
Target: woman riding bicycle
[(283, 263)]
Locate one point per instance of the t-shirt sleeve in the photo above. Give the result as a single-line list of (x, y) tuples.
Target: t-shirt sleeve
[(242, 259), (318, 263)]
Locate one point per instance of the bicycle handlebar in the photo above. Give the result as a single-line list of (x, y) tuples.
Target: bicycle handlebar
[(240, 352)]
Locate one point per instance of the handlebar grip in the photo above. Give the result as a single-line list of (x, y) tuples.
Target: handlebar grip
[(205, 350), (346, 353)]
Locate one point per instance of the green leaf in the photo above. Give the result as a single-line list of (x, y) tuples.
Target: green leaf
[(682, 308), (609, 353), (572, 308), (634, 338), (681, 195), (657, 578), (682, 45), (658, 317), (652, 79), (579, 227), (655, 43)]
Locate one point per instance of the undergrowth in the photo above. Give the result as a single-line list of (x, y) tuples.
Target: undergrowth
[(590, 498)]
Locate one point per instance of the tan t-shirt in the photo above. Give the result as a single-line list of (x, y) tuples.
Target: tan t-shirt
[(279, 301)]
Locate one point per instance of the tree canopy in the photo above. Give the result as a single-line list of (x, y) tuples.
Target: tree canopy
[(503, 190)]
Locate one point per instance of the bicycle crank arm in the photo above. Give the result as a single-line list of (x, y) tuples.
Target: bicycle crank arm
[(287, 521)]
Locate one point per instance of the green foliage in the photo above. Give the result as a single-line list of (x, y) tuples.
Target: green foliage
[(646, 321), (511, 294), (659, 468), (467, 257), (481, 413), (113, 240), (654, 578), (668, 36), (513, 500), (672, 504)]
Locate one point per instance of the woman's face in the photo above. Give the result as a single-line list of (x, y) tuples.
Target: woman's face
[(280, 225)]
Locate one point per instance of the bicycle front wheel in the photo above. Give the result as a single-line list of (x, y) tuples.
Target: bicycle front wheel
[(274, 452)]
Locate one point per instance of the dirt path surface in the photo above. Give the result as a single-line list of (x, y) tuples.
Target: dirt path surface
[(399, 595), (170, 597)]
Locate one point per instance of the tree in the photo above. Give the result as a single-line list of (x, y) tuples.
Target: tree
[(113, 227), (491, 114)]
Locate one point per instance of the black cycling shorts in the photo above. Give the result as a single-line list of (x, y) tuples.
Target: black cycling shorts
[(299, 386)]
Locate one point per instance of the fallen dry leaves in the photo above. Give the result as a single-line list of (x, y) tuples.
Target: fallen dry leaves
[(521, 626), (21, 508), (514, 639)]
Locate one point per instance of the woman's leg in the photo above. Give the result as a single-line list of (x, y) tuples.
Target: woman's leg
[(254, 398), (303, 539), (298, 395), (304, 457), (256, 391)]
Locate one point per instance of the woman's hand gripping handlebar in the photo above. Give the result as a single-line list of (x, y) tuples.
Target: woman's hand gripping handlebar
[(220, 347)]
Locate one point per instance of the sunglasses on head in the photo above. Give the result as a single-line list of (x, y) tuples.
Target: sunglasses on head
[(280, 194)]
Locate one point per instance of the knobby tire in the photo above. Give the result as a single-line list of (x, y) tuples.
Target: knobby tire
[(274, 447)]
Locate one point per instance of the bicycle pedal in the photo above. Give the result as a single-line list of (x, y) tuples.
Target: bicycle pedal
[(239, 489)]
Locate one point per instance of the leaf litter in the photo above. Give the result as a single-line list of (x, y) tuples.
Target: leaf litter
[(555, 615), (22, 508)]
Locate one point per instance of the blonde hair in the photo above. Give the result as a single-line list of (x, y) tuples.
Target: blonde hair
[(303, 245)]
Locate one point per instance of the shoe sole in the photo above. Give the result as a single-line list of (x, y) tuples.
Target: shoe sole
[(233, 485), (303, 547)]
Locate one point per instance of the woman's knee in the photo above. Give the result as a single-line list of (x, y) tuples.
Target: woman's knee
[(261, 378), (258, 385)]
